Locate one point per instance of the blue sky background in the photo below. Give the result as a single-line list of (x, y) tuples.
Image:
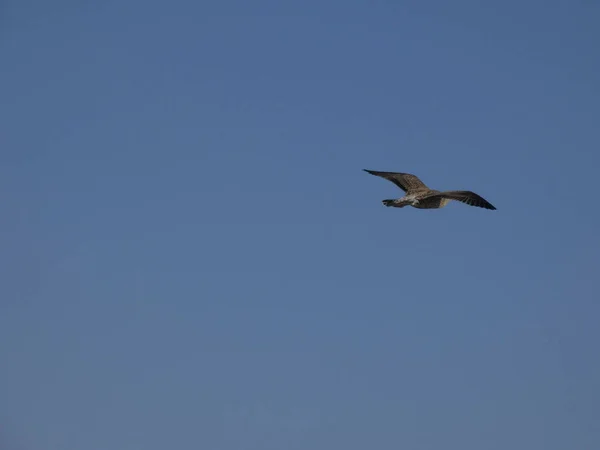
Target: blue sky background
[(192, 258)]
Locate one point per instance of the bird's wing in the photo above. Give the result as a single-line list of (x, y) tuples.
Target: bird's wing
[(405, 181), (468, 197)]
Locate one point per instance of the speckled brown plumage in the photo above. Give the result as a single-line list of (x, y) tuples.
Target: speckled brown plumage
[(419, 195)]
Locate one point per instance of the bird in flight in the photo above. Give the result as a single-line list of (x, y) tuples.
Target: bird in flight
[(418, 195)]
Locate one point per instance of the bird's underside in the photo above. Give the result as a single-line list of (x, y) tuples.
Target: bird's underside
[(419, 195)]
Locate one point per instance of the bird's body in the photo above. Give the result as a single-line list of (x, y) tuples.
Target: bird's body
[(419, 195)]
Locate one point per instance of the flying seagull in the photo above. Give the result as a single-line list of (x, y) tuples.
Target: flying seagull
[(420, 196)]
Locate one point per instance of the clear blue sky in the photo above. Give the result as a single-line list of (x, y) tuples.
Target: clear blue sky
[(192, 257)]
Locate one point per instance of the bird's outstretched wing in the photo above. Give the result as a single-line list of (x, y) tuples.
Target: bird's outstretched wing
[(405, 181), (468, 197)]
